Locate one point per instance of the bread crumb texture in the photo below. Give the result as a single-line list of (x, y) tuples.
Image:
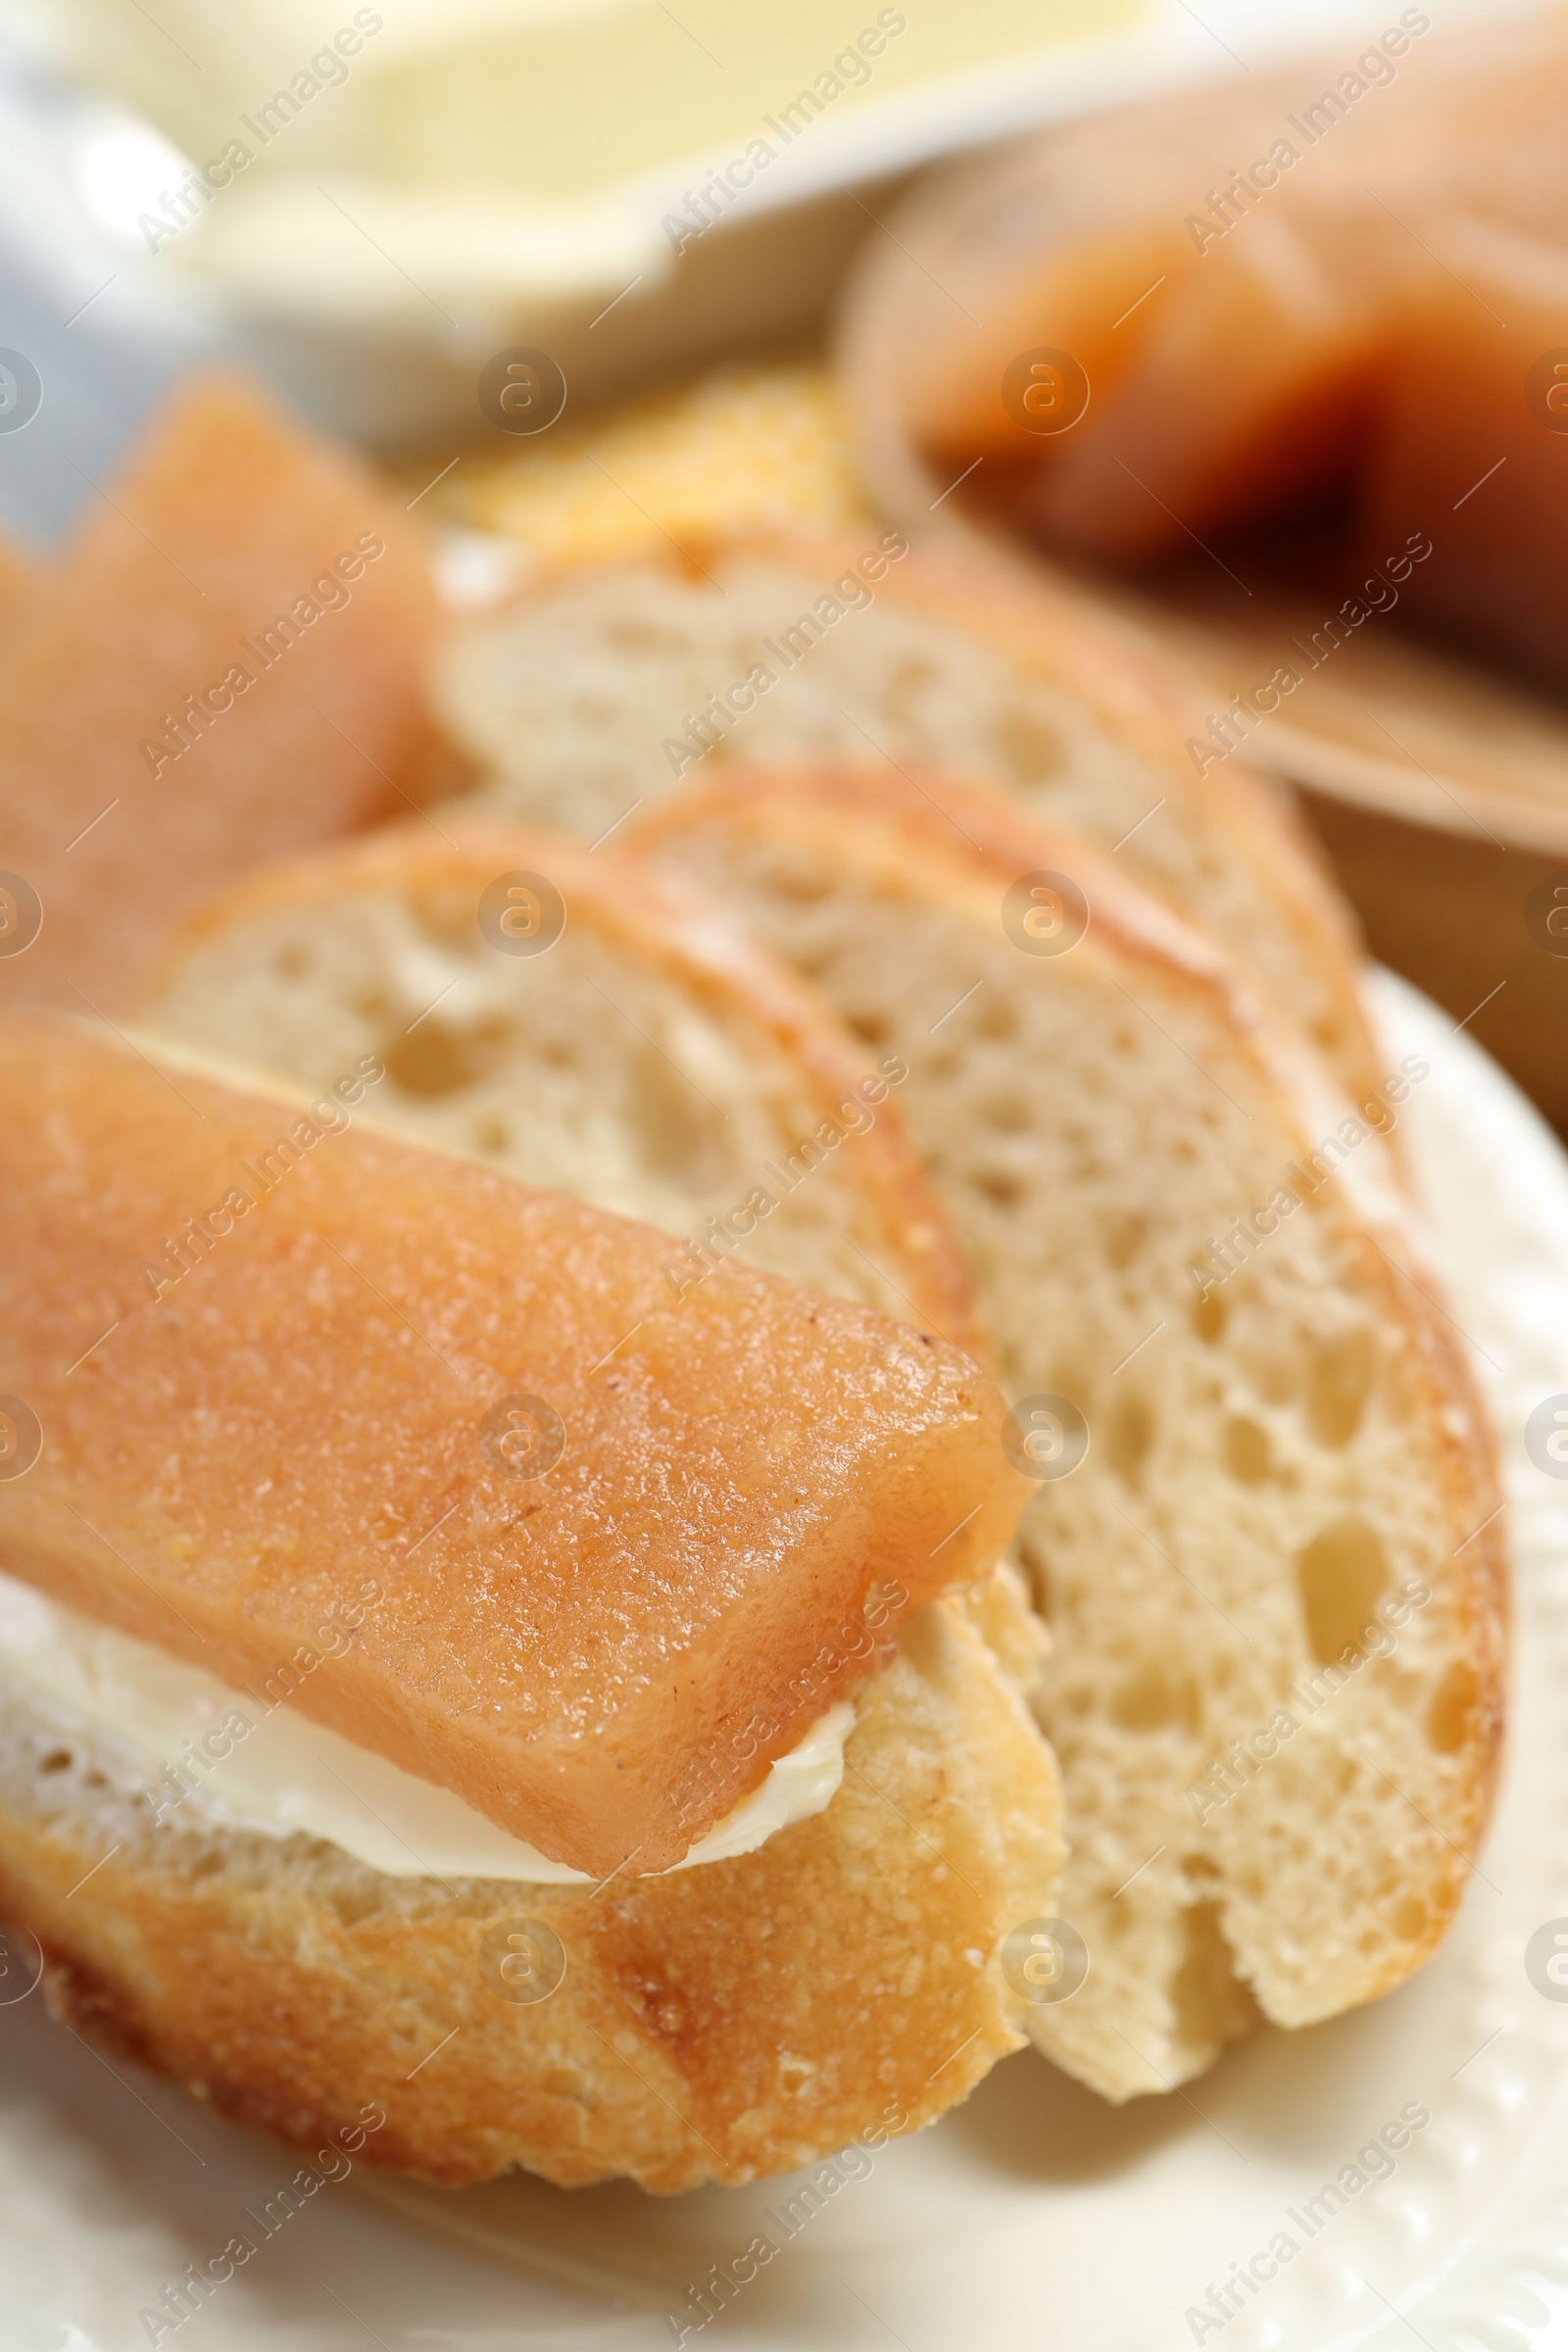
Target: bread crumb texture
[(1274, 1685), (596, 693)]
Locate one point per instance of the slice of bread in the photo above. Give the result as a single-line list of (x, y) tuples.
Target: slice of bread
[(1275, 1580), (724, 2022), (650, 1060), (594, 691), (721, 2022)]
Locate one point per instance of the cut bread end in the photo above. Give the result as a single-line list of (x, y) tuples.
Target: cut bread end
[(597, 689), (1275, 1579)]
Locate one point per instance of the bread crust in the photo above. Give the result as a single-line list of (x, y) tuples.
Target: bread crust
[(905, 839), (584, 1657), (1047, 625), (680, 933), (723, 2022)]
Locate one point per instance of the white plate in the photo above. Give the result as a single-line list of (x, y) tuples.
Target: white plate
[(1035, 2216)]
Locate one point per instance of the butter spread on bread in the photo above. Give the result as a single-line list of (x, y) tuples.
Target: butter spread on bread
[(258, 1764)]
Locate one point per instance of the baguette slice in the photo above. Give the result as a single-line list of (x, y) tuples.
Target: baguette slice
[(724, 2022), (600, 686), (653, 1059), (221, 669), (576, 1652), (1275, 1580)]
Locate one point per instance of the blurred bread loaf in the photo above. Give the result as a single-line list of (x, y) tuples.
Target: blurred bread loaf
[(599, 688)]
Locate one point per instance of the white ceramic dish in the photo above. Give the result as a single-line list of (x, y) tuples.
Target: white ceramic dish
[(1035, 2216)]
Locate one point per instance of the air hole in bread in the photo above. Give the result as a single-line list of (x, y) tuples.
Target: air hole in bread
[(676, 1129), (1000, 1187), (1152, 1700), (1030, 748), (491, 1135), (1338, 1384), (1246, 1455), (59, 1759), (1035, 1575), (1453, 1708), (1342, 1574), (433, 1059), (1410, 1919), (995, 1017), (1009, 1114), (1124, 1236), (291, 964), (871, 1028), (1127, 1432), (1210, 1318), (1211, 2001)]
